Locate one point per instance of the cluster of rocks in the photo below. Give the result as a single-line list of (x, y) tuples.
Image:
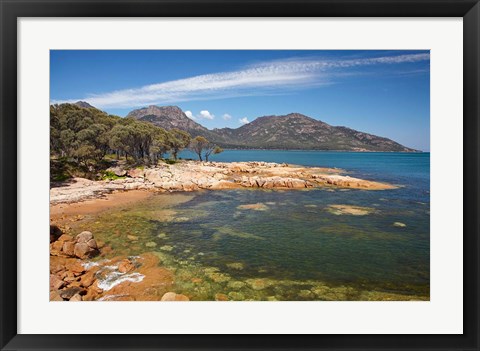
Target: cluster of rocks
[(71, 281), (74, 277), (82, 246), (195, 175)]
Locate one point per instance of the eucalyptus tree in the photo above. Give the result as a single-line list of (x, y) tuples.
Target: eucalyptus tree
[(160, 144), (200, 145), (197, 145), (178, 141)]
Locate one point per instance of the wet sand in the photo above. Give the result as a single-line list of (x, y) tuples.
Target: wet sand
[(62, 212)]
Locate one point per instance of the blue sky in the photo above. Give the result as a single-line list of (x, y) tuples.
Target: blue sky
[(386, 93)]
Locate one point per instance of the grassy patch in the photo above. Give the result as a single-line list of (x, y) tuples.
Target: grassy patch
[(108, 175)]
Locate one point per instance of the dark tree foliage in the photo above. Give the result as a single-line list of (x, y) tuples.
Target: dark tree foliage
[(178, 141), (84, 136)]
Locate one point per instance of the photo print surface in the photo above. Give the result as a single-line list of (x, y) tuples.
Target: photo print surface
[(239, 175)]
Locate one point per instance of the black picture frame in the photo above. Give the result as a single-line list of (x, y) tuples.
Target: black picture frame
[(11, 10)]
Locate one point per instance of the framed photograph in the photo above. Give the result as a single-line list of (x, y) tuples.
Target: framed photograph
[(224, 175)]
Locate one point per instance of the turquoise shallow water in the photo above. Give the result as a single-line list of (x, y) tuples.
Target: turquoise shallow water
[(295, 247)]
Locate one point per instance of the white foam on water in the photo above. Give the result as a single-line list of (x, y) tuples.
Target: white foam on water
[(88, 265), (115, 278)]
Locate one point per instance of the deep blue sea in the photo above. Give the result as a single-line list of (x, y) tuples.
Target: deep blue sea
[(297, 248)]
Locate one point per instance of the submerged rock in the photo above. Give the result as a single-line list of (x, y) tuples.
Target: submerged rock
[(259, 283), (221, 231), (219, 277), (236, 265), (306, 294), (234, 295), (327, 293), (256, 207), (235, 285), (350, 210), (221, 297), (171, 296), (166, 248), (181, 219), (209, 270)]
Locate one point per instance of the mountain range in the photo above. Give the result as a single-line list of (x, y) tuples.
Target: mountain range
[(291, 131)]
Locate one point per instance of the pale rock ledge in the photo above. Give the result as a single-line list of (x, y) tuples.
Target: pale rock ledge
[(195, 175)]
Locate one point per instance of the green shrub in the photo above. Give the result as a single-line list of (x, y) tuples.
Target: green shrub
[(108, 175), (61, 177)]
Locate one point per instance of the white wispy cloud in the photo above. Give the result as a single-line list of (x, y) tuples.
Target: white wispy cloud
[(226, 117), (203, 114), (190, 115), (206, 115), (244, 120), (264, 78)]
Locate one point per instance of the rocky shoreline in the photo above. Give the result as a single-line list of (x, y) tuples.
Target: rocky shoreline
[(195, 175), (75, 277)]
